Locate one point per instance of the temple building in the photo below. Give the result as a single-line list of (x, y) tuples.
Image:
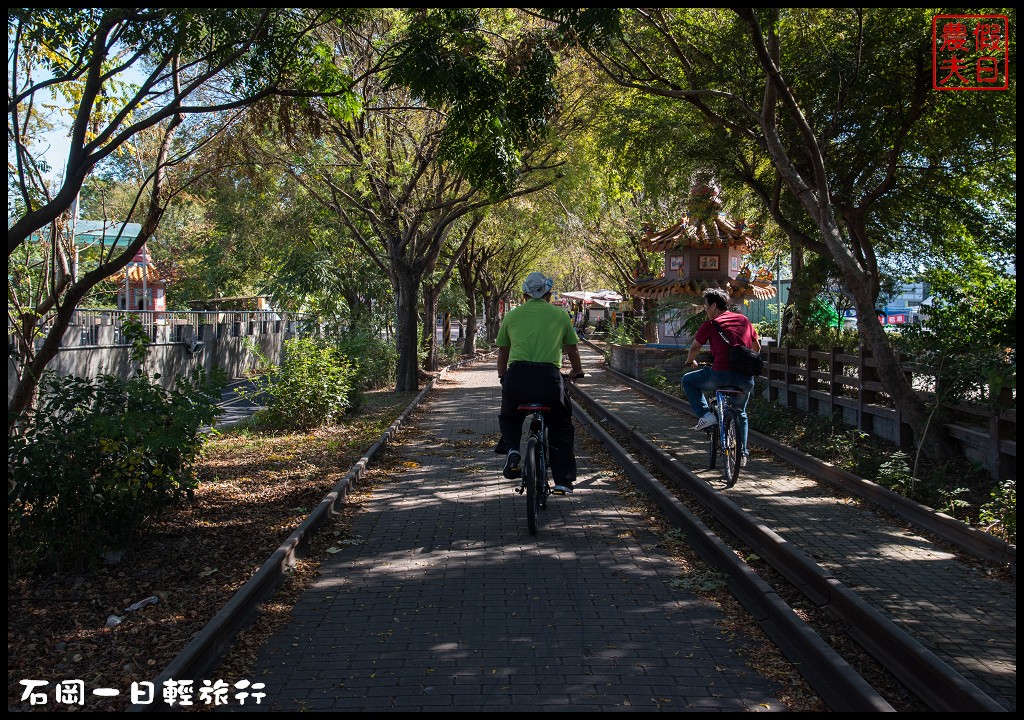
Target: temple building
[(704, 249)]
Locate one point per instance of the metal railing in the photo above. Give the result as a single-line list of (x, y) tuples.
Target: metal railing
[(172, 326)]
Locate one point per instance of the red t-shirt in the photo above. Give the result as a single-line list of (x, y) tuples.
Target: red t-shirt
[(734, 326)]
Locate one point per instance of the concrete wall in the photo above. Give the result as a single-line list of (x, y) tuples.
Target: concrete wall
[(221, 348), (636, 360)]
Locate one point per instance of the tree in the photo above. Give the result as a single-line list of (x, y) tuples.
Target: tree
[(396, 177), (471, 265), (192, 66), (857, 140), (434, 285), (606, 213)]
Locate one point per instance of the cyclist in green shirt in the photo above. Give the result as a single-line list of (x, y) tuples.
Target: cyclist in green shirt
[(530, 342)]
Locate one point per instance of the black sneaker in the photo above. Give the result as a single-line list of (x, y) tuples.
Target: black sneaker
[(512, 469), (564, 488)]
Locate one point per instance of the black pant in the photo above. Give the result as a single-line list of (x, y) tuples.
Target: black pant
[(540, 383)]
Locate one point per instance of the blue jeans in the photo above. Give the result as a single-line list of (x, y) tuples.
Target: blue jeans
[(698, 382)]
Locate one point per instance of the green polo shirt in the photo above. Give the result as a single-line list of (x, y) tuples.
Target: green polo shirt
[(535, 332)]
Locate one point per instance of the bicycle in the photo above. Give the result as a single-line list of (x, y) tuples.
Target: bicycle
[(724, 437), (534, 464)]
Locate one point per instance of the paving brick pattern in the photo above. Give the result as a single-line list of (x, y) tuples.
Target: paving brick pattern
[(443, 601), (963, 614)]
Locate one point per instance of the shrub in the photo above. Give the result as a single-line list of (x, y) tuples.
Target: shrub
[(628, 332), (656, 379), (98, 458), (449, 354), (315, 385), (999, 514), (378, 358), (825, 338)]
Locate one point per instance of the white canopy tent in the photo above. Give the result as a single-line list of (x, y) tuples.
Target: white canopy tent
[(603, 298)]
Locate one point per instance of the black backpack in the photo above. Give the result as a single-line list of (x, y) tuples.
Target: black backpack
[(741, 358)]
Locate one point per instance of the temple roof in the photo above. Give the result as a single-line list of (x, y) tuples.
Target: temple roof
[(658, 288), (153, 273), (694, 232)]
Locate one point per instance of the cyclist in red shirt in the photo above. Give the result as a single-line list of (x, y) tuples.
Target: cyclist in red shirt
[(739, 330)]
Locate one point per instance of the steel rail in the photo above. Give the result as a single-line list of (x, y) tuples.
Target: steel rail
[(966, 538), (839, 685), (933, 681)]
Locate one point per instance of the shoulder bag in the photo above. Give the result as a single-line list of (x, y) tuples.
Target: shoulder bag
[(741, 358)]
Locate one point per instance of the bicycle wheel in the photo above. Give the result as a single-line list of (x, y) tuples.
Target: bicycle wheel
[(731, 466), (712, 448), (532, 477)]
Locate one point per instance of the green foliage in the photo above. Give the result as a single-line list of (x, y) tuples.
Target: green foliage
[(767, 322), (96, 459), (766, 326), (656, 379), (999, 514), (628, 332), (378, 358), (954, 501), (824, 338), (449, 354), (895, 474), (135, 335), (315, 385), (498, 100), (590, 27), (972, 319)]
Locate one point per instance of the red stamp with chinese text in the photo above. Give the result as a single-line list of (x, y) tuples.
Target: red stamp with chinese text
[(970, 52)]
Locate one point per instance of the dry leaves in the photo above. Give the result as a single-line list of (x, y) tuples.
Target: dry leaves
[(254, 491)]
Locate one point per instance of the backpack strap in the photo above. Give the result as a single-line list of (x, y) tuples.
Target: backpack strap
[(722, 335)]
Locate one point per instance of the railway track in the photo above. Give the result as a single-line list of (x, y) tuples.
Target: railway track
[(943, 626)]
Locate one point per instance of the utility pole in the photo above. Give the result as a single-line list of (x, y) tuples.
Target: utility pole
[(778, 296), (74, 240)]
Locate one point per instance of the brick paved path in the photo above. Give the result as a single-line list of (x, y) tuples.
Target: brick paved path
[(956, 609), (444, 601)]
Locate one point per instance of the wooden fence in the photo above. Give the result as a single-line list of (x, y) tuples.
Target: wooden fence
[(833, 382)]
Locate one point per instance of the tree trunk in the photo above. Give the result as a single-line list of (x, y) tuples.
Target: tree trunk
[(800, 294), (909, 404), (407, 330), (469, 341), (493, 320), (429, 338), (650, 324), (469, 265)]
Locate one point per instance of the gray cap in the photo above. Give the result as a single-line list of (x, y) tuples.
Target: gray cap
[(537, 285)]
